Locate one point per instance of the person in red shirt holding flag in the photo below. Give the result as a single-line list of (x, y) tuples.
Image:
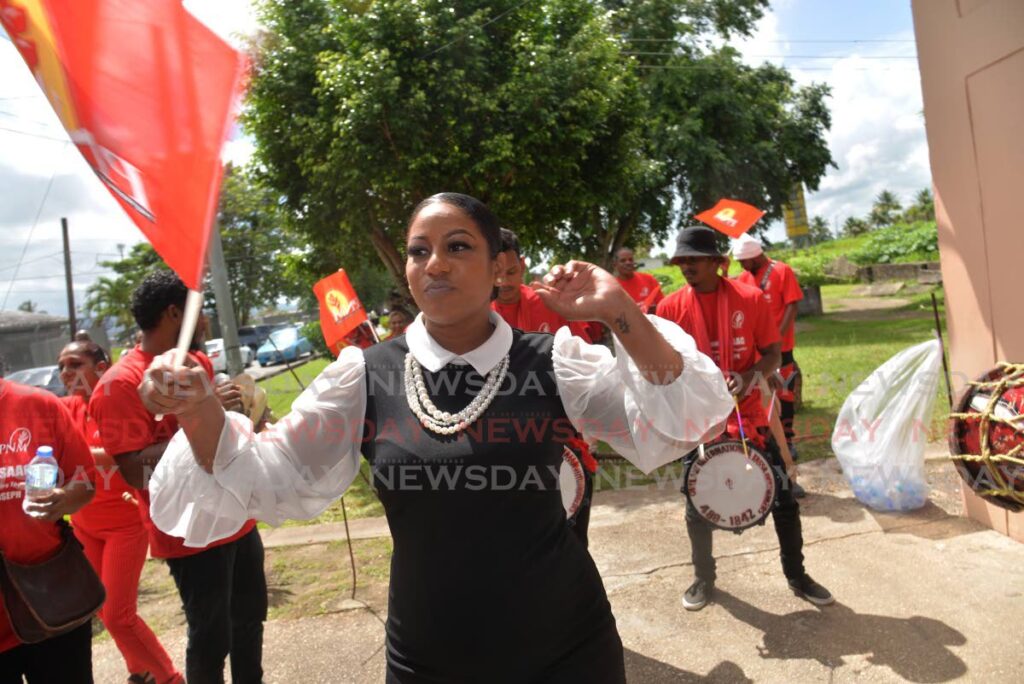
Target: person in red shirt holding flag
[(222, 586), (782, 291), (31, 418), (642, 287), (731, 322), (110, 529)]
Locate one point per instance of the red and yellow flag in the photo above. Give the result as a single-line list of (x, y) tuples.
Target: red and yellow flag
[(147, 94), (341, 313), (732, 217)]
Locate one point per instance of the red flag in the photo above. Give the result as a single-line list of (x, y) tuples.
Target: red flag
[(147, 94), (341, 313), (732, 217)]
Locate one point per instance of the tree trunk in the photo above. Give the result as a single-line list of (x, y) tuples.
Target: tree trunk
[(389, 255)]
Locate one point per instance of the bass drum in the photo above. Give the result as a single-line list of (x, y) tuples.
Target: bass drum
[(732, 489)]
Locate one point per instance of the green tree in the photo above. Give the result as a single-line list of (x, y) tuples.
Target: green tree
[(885, 211), (251, 223), (547, 111), (854, 226), (109, 299), (923, 208), (715, 127), (360, 111), (818, 230)]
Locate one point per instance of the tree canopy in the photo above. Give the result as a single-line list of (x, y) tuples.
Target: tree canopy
[(585, 125)]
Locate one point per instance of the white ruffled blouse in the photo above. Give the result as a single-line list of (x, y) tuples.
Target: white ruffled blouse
[(300, 465)]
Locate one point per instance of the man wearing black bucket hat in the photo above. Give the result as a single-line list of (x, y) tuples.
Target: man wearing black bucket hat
[(732, 323)]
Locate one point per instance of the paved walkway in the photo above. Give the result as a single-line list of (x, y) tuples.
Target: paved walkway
[(924, 597)]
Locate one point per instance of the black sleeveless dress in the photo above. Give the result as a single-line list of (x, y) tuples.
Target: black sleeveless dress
[(488, 583)]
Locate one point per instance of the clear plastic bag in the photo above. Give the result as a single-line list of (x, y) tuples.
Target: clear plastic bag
[(882, 429)]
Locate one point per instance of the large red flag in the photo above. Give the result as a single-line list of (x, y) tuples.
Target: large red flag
[(732, 217), (147, 94), (341, 313)]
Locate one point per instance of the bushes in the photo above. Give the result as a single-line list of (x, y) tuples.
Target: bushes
[(900, 243)]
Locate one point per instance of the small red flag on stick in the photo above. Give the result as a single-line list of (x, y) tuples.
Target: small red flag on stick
[(342, 316), (732, 217)]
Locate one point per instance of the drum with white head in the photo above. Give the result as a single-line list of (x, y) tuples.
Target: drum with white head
[(731, 487)]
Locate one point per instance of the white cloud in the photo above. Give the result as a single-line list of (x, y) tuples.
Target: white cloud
[(877, 137), (33, 151)]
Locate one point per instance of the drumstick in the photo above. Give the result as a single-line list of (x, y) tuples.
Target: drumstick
[(743, 434), (775, 425)]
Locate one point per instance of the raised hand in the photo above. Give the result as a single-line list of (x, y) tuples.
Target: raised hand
[(167, 389), (579, 291)]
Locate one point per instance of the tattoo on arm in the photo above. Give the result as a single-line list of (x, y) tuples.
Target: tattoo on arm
[(622, 324)]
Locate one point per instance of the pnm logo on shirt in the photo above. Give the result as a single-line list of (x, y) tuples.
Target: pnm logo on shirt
[(737, 320), (18, 442)]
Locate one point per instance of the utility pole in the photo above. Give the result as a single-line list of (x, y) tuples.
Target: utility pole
[(225, 307), (72, 324)]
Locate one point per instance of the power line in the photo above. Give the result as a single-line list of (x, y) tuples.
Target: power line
[(849, 56), (830, 40), (482, 26), (33, 135), (31, 261), (35, 222)]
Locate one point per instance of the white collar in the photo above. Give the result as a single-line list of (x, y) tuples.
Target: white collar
[(434, 357)]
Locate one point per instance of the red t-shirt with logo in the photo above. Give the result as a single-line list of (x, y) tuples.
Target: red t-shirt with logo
[(752, 327), (780, 289), (643, 287), (530, 314), (109, 510), (30, 418), (125, 425)]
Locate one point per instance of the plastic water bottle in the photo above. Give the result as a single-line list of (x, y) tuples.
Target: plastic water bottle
[(40, 477)]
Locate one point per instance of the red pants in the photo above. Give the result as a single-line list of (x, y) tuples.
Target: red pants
[(118, 557)]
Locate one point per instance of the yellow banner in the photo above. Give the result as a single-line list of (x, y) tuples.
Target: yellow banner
[(795, 213)]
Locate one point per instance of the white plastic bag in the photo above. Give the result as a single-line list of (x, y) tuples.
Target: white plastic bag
[(882, 428)]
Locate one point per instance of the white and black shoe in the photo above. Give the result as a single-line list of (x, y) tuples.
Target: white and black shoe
[(808, 589), (698, 595)]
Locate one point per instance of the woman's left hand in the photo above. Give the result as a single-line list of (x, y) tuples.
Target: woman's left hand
[(579, 291)]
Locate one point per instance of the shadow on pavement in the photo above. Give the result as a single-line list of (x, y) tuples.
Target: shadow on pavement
[(928, 522), (914, 648), (640, 668)]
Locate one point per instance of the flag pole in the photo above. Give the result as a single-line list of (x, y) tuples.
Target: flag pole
[(193, 305)]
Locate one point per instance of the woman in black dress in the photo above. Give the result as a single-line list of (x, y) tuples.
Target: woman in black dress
[(464, 421)]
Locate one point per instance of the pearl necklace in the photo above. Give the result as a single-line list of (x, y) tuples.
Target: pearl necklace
[(443, 422)]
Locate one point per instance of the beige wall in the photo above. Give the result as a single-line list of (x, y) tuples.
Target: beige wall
[(971, 55)]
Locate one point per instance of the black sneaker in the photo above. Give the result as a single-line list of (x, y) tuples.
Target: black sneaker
[(798, 491), (698, 595), (810, 590)]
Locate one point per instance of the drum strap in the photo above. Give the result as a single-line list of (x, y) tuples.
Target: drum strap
[(694, 323), (765, 283)]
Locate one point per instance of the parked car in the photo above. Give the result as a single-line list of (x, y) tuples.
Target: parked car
[(253, 336), (284, 344), (44, 377), (219, 358)]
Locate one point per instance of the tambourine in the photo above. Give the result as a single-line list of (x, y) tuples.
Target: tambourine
[(986, 436), (731, 487)]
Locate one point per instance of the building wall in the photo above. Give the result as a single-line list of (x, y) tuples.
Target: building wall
[(971, 55), (31, 348)]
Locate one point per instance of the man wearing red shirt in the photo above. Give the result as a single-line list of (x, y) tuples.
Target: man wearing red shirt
[(731, 322), (521, 308), (519, 305), (30, 418), (110, 529), (782, 291), (642, 287), (223, 586)]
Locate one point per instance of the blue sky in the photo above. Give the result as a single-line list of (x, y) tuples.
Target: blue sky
[(863, 49)]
